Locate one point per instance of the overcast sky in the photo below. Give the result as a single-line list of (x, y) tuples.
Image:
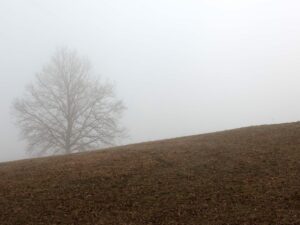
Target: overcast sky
[(182, 67)]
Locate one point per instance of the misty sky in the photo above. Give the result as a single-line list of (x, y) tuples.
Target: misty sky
[(182, 67)]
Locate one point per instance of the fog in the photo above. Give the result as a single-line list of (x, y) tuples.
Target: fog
[(181, 67)]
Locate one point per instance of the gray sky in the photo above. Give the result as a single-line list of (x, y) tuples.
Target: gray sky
[(182, 67)]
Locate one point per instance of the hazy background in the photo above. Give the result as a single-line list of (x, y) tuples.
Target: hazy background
[(182, 67)]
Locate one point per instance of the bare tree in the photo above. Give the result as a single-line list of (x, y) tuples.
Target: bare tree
[(66, 110)]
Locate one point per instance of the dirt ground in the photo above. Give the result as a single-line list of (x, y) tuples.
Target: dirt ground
[(243, 176)]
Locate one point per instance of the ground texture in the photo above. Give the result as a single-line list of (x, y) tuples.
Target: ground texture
[(243, 176)]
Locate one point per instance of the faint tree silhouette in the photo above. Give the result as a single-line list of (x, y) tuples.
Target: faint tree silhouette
[(66, 110)]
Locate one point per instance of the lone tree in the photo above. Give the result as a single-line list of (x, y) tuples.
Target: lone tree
[(66, 110)]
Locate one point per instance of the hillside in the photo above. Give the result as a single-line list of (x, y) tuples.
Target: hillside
[(243, 176)]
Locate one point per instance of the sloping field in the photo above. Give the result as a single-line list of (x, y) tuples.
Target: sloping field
[(242, 176)]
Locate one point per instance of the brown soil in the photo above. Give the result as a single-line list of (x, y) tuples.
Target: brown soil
[(242, 176)]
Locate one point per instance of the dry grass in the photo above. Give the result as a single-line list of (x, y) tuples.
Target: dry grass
[(243, 176)]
